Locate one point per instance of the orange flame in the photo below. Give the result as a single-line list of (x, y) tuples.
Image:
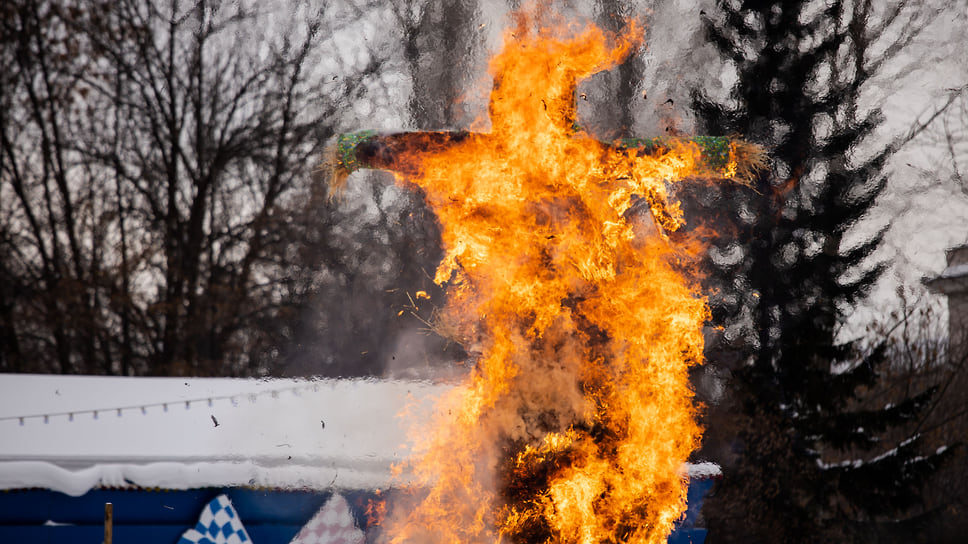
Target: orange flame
[(578, 417)]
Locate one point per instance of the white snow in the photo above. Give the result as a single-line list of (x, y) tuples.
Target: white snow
[(176, 475), (857, 463), (77, 432), (703, 470), (74, 433)]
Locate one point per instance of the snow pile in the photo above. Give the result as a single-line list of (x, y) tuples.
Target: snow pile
[(703, 470)]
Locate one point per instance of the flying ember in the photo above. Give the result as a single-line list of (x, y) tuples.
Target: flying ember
[(578, 416)]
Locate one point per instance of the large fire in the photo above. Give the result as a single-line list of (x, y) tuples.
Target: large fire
[(578, 416)]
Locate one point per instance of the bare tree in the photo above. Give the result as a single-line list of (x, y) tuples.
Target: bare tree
[(50, 243), (624, 84), (921, 353), (385, 239), (154, 153), (441, 41)]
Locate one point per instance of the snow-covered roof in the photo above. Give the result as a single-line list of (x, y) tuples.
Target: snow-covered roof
[(72, 433)]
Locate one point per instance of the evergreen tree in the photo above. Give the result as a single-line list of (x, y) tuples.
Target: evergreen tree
[(812, 459)]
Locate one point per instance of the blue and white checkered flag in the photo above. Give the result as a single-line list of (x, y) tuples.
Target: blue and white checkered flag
[(218, 524)]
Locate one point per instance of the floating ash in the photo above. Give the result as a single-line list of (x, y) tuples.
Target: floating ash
[(577, 419)]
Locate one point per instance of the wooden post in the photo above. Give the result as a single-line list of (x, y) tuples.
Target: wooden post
[(108, 522)]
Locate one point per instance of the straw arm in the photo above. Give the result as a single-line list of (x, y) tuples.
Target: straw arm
[(391, 151), (732, 157)]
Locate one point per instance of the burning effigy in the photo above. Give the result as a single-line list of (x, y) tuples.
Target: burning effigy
[(578, 416)]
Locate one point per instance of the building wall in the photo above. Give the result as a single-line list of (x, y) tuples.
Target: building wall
[(953, 283), (958, 299), (958, 320)]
